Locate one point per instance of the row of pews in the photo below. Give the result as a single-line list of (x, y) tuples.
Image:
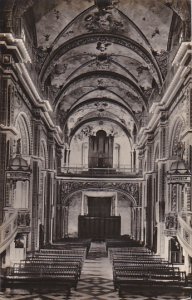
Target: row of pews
[(59, 265), (135, 265)]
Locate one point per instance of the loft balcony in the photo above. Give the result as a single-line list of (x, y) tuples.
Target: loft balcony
[(85, 171)]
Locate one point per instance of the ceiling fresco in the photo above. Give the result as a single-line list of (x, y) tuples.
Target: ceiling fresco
[(102, 59), (100, 109)]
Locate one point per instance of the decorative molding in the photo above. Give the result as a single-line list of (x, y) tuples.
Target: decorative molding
[(69, 187)]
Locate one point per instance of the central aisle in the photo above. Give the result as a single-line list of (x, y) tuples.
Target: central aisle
[(96, 280)]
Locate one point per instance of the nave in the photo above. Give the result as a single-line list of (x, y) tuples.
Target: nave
[(95, 144), (101, 259)]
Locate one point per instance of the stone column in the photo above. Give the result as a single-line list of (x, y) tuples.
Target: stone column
[(66, 216), (51, 151), (86, 205), (141, 158), (134, 161), (149, 212), (6, 102), (58, 158), (161, 205), (35, 191), (2, 173), (82, 203)]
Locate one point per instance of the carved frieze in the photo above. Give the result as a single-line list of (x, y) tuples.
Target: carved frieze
[(174, 198), (171, 221), (68, 187)]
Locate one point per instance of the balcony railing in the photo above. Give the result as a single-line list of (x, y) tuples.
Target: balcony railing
[(185, 230), (18, 221), (84, 170), (7, 231)]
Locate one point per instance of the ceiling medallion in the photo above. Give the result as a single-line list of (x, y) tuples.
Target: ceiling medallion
[(101, 84), (101, 106), (102, 46), (102, 62)]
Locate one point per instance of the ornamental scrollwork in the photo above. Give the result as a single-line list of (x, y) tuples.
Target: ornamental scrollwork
[(171, 221), (70, 187)]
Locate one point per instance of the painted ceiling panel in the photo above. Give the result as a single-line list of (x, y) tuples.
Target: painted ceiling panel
[(96, 52)]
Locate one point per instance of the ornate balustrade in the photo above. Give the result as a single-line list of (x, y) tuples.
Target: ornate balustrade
[(184, 232), (180, 225), (84, 170), (7, 231), (18, 221)]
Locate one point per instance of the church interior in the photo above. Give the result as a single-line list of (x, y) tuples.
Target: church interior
[(95, 149)]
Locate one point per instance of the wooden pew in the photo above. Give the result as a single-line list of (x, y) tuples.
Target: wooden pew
[(132, 268)]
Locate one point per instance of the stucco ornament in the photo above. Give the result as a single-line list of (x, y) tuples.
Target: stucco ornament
[(103, 21)]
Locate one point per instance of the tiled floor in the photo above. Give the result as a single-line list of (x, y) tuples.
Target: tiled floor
[(95, 284)]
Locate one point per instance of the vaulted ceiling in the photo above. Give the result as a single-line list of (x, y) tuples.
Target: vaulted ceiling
[(102, 59)]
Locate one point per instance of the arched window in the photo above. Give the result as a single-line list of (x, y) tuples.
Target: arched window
[(175, 134), (24, 129), (43, 154)]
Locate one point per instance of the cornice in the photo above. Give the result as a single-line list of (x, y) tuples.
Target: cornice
[(178, 79), (8, 130), (18, 45)]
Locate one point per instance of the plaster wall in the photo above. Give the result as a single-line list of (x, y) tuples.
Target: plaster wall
[(123, 209), (74, 212)]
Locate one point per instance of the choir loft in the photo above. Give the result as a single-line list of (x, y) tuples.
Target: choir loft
[(95, 147)]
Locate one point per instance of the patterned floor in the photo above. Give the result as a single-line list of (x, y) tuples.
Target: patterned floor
[(95, 284)]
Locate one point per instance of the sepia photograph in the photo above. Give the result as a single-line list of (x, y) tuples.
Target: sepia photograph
[(95, 150)]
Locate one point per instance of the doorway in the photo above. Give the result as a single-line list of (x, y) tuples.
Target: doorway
[(99, 206)]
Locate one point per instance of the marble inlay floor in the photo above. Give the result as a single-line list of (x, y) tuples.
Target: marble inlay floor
[(95, 284)]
